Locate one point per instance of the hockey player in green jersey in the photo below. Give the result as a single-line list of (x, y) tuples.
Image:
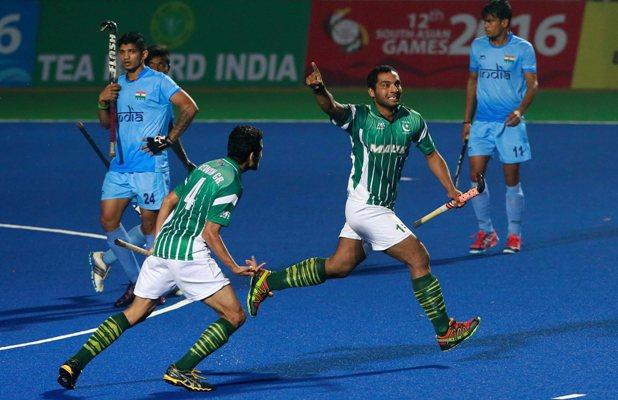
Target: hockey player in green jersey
[(381, 134), (187, 232)]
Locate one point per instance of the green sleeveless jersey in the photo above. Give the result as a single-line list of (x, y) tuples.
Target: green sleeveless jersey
[(209, 193), (379, 150)]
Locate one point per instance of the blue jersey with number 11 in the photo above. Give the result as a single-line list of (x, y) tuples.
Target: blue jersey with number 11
[(144, 110), (500, 84)]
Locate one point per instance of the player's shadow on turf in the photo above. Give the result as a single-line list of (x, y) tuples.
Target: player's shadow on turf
[(506, 345), (62, 394), (252, 382), (77, 306)]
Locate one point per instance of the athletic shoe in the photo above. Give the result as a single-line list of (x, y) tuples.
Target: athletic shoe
[(513, 244), (99, 270), (258, 291), (483, 242), (68, 374), (127, 297), (457, 332), (191, 380)]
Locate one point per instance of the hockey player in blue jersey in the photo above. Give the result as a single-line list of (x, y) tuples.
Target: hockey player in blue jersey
[(140, 169), (501, 85)]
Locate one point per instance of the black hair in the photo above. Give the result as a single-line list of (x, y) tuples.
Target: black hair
[(135, 38), (158, 51), (499, 8), (372, 78), (244, 140)]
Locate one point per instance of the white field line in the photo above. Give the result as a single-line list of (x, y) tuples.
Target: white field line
[(173, 307), (62, 231), (569, 396)]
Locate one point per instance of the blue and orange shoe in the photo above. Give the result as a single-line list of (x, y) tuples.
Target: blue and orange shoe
[(457, 332), (68, 374), (258, 291)]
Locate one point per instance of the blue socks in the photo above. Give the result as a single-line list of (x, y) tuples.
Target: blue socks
[(136, 237), (482, 209), (514, 208), (126, 257)]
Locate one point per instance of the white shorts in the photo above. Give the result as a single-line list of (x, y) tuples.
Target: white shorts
[(376, 225), (197, 279)]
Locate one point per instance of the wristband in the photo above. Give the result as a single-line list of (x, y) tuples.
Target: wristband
[(105, 106), (518, 113)]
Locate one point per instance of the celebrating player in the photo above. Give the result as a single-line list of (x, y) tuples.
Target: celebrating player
[(159, 60), (188, 229), (381, 135), (140, 170), (501, 85)]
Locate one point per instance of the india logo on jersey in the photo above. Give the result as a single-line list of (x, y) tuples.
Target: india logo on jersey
[(509, 59), (140, 95)]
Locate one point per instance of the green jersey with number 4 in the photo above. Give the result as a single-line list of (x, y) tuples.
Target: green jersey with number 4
[(210, 193), (379, 149)]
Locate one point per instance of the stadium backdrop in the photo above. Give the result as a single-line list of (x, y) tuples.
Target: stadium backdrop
[(243, 43)]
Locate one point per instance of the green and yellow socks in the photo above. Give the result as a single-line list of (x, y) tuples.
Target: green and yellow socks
[(309, 272), (215, 336), (106, 334), (429, 294)]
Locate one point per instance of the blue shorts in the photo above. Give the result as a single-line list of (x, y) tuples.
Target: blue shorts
[(148, 188), (511, 142)]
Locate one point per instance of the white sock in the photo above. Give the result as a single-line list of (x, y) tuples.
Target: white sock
[(514, 208)]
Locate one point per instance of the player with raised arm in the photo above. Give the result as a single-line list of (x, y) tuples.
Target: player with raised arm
[(188, 229), (159, 60), (381, 134), (501, 86), (143, 97)]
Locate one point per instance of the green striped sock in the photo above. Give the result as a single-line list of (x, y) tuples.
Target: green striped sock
[(106, 334), (429, 294), (309, 272), (215, 336)]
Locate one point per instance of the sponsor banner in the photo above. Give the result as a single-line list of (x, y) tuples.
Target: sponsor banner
[(18, 28), (597, 58), (230, 43), (429, 41)]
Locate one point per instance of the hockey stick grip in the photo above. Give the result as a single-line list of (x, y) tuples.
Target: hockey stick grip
[(132, 247), (447, 206)]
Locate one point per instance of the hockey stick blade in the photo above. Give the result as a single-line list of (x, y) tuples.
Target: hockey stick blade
[(132, 247)]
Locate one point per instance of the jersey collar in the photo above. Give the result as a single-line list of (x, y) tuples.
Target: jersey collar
[(143, 72), (509, 37), (232, 163), (375, 111)]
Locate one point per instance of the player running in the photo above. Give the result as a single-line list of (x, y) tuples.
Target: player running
[(188, 230), (501, 86), (382, 134)]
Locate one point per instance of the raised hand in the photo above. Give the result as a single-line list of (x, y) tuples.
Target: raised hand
[(314, 79)]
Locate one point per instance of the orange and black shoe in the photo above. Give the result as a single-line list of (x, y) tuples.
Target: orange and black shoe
[(258, 291), (68, 374), (483, 242), (513, 244), (457, 332), (191, 380)]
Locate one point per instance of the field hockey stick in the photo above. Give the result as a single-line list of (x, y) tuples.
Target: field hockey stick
[(94, 146), (132, 247), (475, 191), (100, 154), (460, 162), (112, 28)]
